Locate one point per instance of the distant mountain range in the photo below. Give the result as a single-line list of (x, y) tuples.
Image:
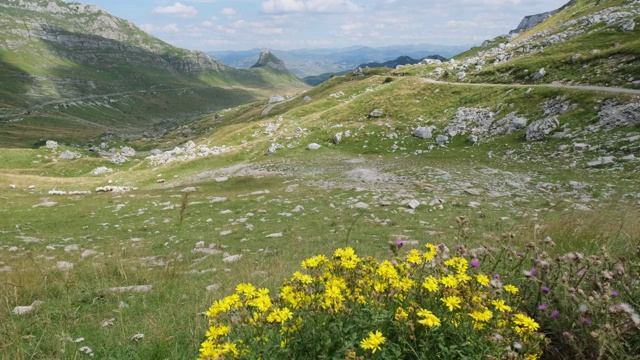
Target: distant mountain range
[(311, 62), (391, 64)]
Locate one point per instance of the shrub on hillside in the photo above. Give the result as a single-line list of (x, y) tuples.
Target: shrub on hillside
[(424, 305), (586, 304)]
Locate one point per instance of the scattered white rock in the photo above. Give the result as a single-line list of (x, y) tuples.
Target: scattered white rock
[(313, 146), (88, 253), (274, 235), (137, 337), (135, 288), (101, 170), (21, 310), (361, 205), (226, 232), (602, 161), (213, 287), (232, 258), (423, 132), (107, 322), (413, 204), (13, 186), (87, 350), (64, 265), (45, 204), (51, 145), (222, 179), (188, 189)]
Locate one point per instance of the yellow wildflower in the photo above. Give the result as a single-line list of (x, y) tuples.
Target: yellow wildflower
[(280, 315), (430, 283), (401, 314), (428, 318), (431, 252), (501, 306), (451, 302), (524, 324), (373, 341), (510, 289), (482, 279), (414, 257), (314, 262), (481, 316), (449, 281)]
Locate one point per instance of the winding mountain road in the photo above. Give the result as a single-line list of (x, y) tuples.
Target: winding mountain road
[(560, 86)]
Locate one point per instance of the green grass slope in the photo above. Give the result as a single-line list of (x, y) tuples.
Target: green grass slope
[(56, 55)]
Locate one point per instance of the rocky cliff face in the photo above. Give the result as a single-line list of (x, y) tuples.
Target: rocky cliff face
[(88, 35), (532, 20), (267, 59)]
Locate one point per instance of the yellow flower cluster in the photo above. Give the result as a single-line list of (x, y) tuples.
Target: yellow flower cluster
[(422, 293)]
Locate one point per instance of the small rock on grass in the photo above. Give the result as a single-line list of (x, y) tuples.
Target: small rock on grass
[(20, 310), (136, 288)]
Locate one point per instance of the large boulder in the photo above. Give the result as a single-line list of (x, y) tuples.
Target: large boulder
[(51, 145), (375, 113), (127, 151), (69, 155), (541, 129), (539, 74), (272, 149), (423, 132)]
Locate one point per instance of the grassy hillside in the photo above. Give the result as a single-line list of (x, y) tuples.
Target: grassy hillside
[(75, 68), (529, 175)]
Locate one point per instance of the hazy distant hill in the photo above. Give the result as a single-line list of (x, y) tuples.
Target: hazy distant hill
[(392, 64), (309, 62), (75, 71)]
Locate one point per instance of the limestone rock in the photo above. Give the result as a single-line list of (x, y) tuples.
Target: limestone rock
[(423, 132), (541, 129), (628, 25), (337, 138), (602, 161), (442, 139), (376, 113), (539, 74), (69, 155), (313, 146), (51, 145)]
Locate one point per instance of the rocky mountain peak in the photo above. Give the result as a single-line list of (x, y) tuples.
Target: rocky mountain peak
[(267, 59)]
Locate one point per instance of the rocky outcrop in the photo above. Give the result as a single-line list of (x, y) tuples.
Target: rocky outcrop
[(532, 20), (267, 59)]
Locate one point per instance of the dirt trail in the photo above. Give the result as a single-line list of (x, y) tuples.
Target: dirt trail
[(575, 87)]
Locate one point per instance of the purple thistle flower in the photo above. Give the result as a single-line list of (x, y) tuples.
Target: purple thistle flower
[(542, 307), (399, 243), (475, 263), (614, 293), (582, 271), (545, 289), (585, 320), (440, 246), (554, 314), (534, 272), (496, 276)]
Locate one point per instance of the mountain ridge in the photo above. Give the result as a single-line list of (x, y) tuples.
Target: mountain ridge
[(52, 50)]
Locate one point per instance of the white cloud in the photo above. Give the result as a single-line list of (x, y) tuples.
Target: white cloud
[(207, 23), (228, 12), (280, 6), (151, 29), (177, 9)]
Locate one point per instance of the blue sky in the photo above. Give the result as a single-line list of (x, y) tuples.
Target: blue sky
[(295, 24)]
